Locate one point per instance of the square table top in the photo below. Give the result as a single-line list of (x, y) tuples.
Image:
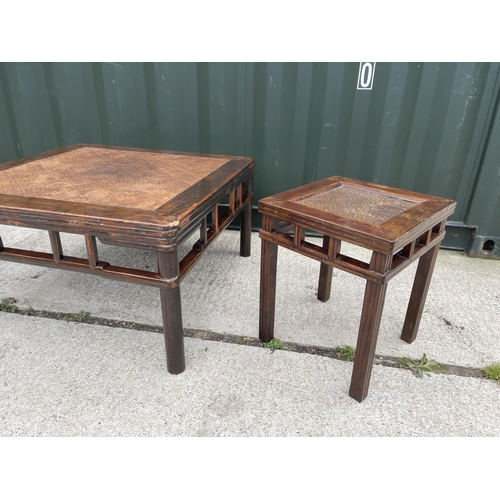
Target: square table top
[(125, 183), (365, 213)]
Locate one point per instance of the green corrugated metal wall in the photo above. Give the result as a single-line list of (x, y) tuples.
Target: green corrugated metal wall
[(429, 127)]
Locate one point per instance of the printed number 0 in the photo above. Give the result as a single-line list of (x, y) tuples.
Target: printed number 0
[(366, 75)]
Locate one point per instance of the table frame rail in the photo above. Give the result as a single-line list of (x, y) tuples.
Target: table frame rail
[(240, 198)]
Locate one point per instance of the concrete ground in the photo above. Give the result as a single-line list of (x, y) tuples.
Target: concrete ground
[(60, 378)]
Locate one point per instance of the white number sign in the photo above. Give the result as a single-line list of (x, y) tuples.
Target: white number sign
[(366, 74)]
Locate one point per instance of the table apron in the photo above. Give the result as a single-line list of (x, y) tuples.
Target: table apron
[(346, 263), (103, 269)]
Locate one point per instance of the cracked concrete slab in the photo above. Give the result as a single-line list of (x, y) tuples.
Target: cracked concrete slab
[(71, 379)]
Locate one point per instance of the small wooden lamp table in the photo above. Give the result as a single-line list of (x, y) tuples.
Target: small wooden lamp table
[(398, 226)]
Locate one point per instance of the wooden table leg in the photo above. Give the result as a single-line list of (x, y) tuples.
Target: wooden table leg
[(55, 243), (268, 265), (332, 248), (419, 294), (168, 267), (371, 315), (325, 282), (246, 230)]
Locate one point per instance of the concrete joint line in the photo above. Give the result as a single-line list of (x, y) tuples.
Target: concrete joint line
[(329, 352)]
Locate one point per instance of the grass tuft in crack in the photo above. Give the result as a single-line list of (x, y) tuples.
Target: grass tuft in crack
[(273, 345), (81, 316), (8, 305), (421, 366), (345, 352), (492, 371)]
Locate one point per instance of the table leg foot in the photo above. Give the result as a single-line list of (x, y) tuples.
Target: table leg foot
[(268, 264), (325, 282), (172, 329), (367, 340), (419, 294), (246, 231), (168, 267)]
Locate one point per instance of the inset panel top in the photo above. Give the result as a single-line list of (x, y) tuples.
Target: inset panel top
[(108, 177), (357, 204)]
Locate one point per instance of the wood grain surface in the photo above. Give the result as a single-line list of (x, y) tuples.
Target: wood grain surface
[(358, 204), (108, 177)]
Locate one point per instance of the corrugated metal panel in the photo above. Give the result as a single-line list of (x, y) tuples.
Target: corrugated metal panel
[(422, 127), (419, 128), (182, 106), (484, 209)]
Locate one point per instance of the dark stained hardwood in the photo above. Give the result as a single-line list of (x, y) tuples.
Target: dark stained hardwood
[(268, 264), (325, 282), (55, 242), (419, 294), (103, 269), (141, 228), (343, 262), (373, 305), (246, 217), (127, 218), (246, 231), (92, 250), (203, 232), (168, 267), (398, 226), (332, 248), (387, 237)]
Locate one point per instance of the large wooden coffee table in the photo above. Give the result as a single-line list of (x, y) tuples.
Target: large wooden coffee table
[(145, 199)]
